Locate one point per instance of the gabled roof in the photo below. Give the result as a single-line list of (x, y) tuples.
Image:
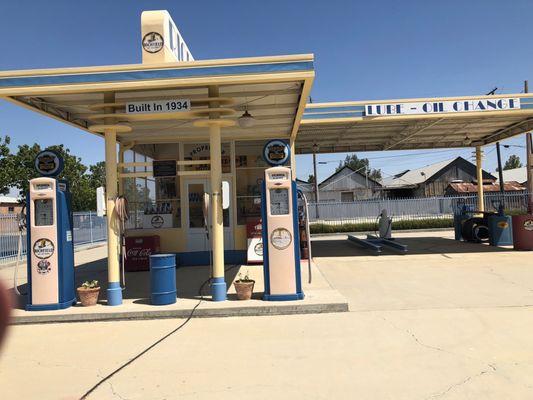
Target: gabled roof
[(417, 176), (516, 174), (336, 173)]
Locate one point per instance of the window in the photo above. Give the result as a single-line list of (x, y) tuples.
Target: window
[(11, 209), (346, 197)]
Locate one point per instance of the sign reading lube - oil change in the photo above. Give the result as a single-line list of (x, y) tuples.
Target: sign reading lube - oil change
[(158, 106), (460, 106)]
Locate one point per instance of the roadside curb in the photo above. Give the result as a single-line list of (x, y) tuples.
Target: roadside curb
[(250, 311)]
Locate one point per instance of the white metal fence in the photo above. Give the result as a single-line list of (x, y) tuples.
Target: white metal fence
[(87, 228), (408, 209)]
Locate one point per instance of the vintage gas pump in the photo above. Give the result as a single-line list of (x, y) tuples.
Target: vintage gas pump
[(50, 246), (281, 252)]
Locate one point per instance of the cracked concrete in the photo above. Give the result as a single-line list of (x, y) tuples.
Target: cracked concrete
[(421, 326)]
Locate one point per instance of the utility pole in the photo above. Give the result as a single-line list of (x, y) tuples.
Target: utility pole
[(315, 150), (529, 162)]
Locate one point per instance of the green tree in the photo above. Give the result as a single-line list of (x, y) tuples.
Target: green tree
[(20, 169), (311, 178), (97, 174), (512, 162), (359, 165), (6, 169)]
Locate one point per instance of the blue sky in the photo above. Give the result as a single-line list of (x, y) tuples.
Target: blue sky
[(363, 50)]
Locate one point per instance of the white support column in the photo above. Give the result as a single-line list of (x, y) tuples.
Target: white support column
[(114, 291), (218, 283)]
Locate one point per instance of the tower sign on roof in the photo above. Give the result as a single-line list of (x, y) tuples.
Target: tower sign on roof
[(161, 41)]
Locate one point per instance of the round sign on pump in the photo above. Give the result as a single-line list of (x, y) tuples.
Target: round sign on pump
[(281, 238), (49, 163), (276, 152)]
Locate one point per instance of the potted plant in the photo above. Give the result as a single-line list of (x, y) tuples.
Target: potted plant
[(244, 286), (88, 293)]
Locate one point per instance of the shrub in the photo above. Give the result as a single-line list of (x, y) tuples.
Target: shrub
[(428, 223)]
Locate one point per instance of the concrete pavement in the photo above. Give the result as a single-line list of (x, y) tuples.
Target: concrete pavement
[(440, 323)]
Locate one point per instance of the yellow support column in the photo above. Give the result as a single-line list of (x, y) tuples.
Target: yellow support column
[(121, 161), (479, 167), (114, 291), (218, 283), (293, 158)]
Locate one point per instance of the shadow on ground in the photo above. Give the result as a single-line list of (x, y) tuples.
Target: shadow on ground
[(416, 245), (189, 280)]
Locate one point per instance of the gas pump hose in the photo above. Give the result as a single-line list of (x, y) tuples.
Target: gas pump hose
[(161, 339), (122, 215), (21, 227)]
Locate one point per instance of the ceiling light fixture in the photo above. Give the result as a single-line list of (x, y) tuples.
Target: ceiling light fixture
[(246, 120)]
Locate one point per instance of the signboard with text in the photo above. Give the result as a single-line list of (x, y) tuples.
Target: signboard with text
[(438, 107), (158, 106)]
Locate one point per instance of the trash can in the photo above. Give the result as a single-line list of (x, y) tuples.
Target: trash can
[(461, 214), (458, 221), (500, 230), (523, 232), (163, 279)]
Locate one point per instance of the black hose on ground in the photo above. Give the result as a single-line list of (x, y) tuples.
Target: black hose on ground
[(146, 350)]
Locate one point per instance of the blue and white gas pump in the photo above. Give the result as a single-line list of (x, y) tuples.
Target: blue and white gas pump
[(280, 230), (50, 254)]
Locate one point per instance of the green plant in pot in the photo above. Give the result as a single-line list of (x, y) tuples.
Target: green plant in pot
[(244, 286), (89, 292)]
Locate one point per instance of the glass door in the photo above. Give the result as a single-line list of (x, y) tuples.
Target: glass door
[(196, 220)]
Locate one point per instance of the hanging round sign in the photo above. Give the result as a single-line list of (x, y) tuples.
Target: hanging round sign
[(49, 163), (153, 42), (276, 152)]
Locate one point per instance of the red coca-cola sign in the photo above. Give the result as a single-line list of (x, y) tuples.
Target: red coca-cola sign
[(138, 252), (254, 228)]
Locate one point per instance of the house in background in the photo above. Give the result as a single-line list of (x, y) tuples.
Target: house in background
[(308, 188), (10, 205), (345, 185), (514, 175), (433, 179)]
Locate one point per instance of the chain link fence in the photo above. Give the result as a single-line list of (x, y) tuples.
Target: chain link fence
[(87, 228), (410, 209)]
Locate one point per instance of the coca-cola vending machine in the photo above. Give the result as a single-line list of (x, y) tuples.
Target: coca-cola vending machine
[(138, 251)]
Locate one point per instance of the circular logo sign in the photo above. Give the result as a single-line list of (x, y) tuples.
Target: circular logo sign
[(280, 238), (43, 248), (528, 224), (157, 221), (276, 152), (153, 42), (503, 225), (49, 163), (43, 267), (258, 249)]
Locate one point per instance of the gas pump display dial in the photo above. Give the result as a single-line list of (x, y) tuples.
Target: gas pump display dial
[(281, 238), (279, 201)]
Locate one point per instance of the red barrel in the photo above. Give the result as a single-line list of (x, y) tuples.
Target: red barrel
[(523, 232), (138, 252)]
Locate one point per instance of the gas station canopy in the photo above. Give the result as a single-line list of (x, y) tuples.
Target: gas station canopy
[(275, 91), (413, 123)]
